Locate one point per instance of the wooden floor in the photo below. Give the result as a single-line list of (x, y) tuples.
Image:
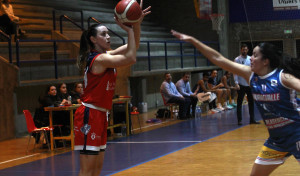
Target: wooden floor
[(228, 154), (14, 152)]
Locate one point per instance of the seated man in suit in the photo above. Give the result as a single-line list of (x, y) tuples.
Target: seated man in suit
[(171, 95), (183, 87)]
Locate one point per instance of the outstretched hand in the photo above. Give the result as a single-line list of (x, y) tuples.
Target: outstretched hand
[(181, 36)]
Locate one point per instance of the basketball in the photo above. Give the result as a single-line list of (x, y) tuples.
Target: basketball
[(128, 11)]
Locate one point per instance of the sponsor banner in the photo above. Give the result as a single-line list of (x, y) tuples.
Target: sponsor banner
[(286, 4)]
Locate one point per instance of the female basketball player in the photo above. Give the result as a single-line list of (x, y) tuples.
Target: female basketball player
[(98, 62), (274, 85)]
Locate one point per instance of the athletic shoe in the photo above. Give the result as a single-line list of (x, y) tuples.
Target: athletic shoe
[(211, 112), (218, 109), (215, 110), (229, 107), (233, 104)]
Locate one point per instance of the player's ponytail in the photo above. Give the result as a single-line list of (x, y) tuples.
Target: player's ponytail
[(291, 65), (85, 46), (83, 51), (278, 60)]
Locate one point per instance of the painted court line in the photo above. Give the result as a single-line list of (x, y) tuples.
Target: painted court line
[(151, 142), (19, 158)]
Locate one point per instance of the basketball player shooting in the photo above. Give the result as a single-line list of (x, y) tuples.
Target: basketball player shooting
[(98, 62)]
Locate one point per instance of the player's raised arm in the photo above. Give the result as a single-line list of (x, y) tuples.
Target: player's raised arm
[(135, 20), (215, 57)]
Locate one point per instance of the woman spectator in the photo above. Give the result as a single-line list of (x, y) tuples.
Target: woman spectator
[(63, 94), (76, 93)]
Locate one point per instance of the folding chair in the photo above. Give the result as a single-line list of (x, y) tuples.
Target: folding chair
[(32, 129), (169, 106)]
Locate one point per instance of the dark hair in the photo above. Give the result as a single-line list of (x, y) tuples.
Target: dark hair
[(205, 74), (244, 45), (167, 73), (48, 89), (291, 65), (59, 86), (186, 73), (86, 45), (76, 84), (277, 60)]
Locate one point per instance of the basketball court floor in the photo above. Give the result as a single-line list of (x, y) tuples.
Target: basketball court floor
[(205, 146)]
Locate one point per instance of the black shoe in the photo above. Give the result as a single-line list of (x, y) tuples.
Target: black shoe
[(240, 123), (254, 122)]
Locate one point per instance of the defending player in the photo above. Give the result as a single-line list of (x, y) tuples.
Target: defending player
[(274, 85)]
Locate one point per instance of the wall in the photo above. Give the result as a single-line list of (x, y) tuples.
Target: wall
[(180, 15), (8, 83), (265, 24)]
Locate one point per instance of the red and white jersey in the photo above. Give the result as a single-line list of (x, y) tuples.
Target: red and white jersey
[(99, 88)]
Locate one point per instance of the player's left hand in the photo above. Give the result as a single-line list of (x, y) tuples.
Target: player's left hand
[(144, 13), (180, 36)]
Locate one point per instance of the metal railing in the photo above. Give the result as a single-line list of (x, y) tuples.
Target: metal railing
[(8, 37), (165, 43), (54, 18), (97, 21), (166, 55), (70, 20), (55, 60)]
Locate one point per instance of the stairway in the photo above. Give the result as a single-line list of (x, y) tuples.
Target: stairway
[(38, 24)]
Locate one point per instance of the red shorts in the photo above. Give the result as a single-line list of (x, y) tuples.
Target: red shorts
[(96, 129)]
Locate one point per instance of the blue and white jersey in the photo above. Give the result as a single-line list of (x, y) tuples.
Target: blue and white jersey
[(277, 104)]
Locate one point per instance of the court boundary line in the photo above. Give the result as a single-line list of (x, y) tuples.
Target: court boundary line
[(154, 142), (19, 158), (151, 142)]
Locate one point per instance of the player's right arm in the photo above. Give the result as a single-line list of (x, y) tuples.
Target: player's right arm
[(215, 57)]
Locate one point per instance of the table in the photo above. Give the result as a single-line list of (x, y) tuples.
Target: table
[(124, 99), (62, 108)]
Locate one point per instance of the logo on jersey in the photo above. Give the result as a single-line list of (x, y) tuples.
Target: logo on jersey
[(93, 136), (277, 122), (274, 82), (267, 97), (264, 87), (85, 129), (110, 86)]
